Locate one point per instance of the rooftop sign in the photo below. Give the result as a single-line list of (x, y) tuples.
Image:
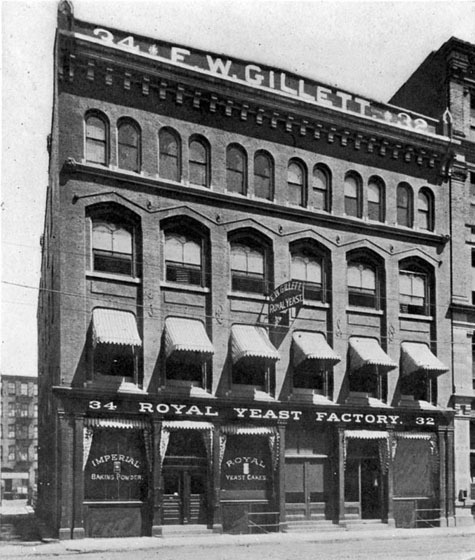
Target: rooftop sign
[(257, 76)]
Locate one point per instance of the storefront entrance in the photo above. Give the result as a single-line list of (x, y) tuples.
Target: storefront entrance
[(365, 486), (304, 485), (184, 496)]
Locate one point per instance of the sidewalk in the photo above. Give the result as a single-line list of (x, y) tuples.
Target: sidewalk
[(80, 546)]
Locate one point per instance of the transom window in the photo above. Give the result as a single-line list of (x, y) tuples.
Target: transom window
[(112, 247), (375, 200), (404, 205), (96, 139), (183, 259), (170, 155), (236, 170), (362, 285), (321, 184), (263, 176), (413, 292), (199, 162), (306, 267), (252, 371), (296, 183), (248, 267), (353, 206), (129, 146)]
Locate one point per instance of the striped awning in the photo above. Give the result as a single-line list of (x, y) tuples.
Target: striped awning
[(417, 356), (368, 352), (249, 341), (186, 425), (414, 435), (243, 430), (312, 346), (186, 335), (124, 423), (111, 326), (366, 434)]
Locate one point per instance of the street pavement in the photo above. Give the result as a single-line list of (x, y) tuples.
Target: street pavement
[(456, 543)]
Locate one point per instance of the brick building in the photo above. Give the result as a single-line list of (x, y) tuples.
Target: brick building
[(443, 87), (244, 301), (19, 435)]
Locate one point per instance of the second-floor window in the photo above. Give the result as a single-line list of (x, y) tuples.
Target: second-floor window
[(248, 267), (413, 292), (183, 259), (112, 247), (362, 285), (307, 267)]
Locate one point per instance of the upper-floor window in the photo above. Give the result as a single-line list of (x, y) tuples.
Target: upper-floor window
[(183, 258), (353, 195), (236, 169), (376, 199), (248, 266), (296, 182), (425, 210), (24, 389), (170, 155), (129, 145), (321, 187), (365, 277), (404, 205), (97, 139), (11, 388), (112, 247), (307, 266), (263, 176), (199, 166), (415, 288)]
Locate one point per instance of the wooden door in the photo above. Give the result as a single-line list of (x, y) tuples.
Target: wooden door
[(304, 489)]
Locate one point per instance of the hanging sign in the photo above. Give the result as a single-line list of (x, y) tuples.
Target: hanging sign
[(286, 296)]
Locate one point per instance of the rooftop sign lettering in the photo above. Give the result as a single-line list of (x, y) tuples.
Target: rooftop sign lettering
[(258, 76)]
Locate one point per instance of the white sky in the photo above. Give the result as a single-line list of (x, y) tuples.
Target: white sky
[(368, 48)]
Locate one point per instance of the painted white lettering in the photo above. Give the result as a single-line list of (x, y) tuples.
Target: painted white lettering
[(370, 418), (218, 67), (322, 96), (270, 414), (284, 86), (178, 408), (178, 54), (357, 417), (382, 419), (252, 75), (320, 416), (333, 417), (394, 419), (194, 410), (145, 407), (296, 414), (241, 412), (255, 413), (363, 105), (345, 97), (302, 93), (284, 414), (210, 412), (346, 417), (163, 408), (271, 79)]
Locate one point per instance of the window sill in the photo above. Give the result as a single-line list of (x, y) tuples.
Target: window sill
[(253, 392), (184, 287), (115, 277), (316, 304), (364, 310), (415, 317), (247, 295)]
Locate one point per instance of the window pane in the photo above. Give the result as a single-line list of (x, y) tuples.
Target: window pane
[(235, 160), (198, 175), (128, 135), (320, 180), (374, 211), (95, 151), (320, 199), (351, 206), (368, 279), (128, 157), (102, 236), (354, 277), (423, 202), (351, 187), (405, 283), (418, 286), (299, 269), (374, 193), (122, 241), (235, 181), (295, 174), (168, 143), (197, 152), (192, 253), (96, 128), (262, 187), (314, 272), (174, 248), (238, 258), (262, 166), (402, 197), (255, 262), (169, 167)]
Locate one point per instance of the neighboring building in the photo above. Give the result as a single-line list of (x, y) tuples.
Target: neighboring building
[(19, 435), (244, 302), (443, 87)]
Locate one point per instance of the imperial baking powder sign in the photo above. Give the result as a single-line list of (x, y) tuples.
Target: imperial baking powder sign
[(256, 76)]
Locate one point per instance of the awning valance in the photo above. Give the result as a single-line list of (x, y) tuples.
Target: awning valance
[(368, 352), (417, 356), (111, 326), (366, 434), (186, 335), (249, 430), (124, 423), (249, 341), (414, 435), (312, 346), (186, 425)]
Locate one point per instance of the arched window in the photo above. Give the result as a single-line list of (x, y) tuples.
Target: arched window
[(376, 199), (321, 184), (415, 287), (425, 210), (353, 198), (404, 205), (263, 176), (365, 281), (129, 145), (97, 139), (170, 155), (248, 265), (308, 266), (183, 257), (236, 169), (112, 246), (296, 182), (199, 162)]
